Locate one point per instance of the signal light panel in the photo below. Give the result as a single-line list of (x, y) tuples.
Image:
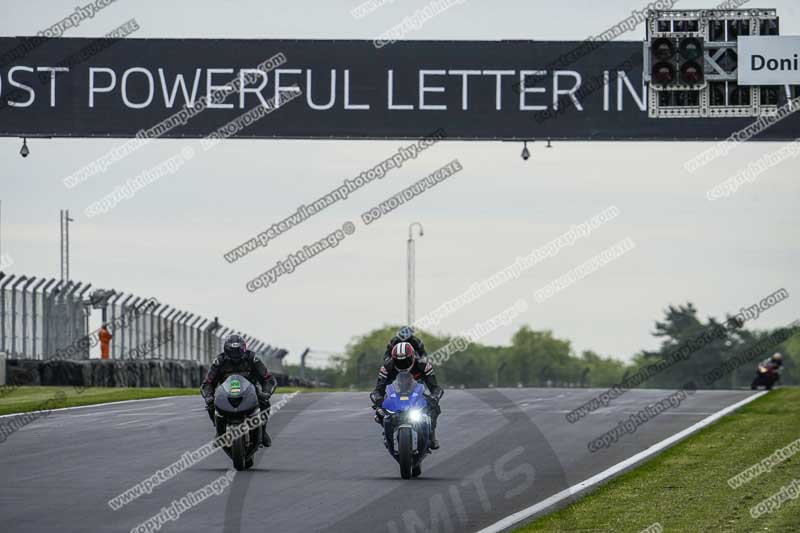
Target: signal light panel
[(677, 63), (690, 64)]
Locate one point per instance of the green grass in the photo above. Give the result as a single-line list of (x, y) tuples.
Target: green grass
[(24, 399), (685, 488)]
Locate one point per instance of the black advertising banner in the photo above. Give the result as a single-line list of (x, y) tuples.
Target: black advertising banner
[(481, 90)]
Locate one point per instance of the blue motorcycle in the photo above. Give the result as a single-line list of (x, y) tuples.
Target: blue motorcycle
[(406, 424)]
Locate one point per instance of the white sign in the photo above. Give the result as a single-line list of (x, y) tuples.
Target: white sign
[(769, 60)]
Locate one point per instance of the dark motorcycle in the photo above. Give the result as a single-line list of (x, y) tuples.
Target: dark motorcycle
[(406, 424), (766, 376), (236, 408)]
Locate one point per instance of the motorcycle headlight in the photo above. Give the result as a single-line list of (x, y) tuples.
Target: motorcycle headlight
[(415, 415)]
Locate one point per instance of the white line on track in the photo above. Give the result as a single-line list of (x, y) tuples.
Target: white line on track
[(524, 514), (116, 412), (127, 423), (99, 405), (154, 414)]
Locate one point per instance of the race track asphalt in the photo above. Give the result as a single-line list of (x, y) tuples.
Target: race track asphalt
[(502, 451)]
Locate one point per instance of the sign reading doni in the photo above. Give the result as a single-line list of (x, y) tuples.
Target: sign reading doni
[(769, 60)]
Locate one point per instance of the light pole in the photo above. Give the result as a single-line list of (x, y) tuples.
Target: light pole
[(303, 363), (500, 367), (65, 220), (411, 260)]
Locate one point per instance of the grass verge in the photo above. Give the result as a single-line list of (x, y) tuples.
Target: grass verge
[(25, 399), (686, 487)]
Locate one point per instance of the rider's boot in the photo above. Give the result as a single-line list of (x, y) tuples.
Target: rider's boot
[(265, 407), (434, 442)]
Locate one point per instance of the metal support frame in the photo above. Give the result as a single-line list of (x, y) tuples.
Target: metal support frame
[(258, 347), (141, 323), (154, 332), (170, 352), (303, 363), (168, 324), (715, 51), (178, 321), (48, 295), (131, 324), (123, 317), (68, 305), (200, 340), (185, 333), (224, 332), (209, 336), (181, 323), (14, 314), (25, 315), (112, 302), (69, 298), (193, 346), (3, 285), (34, 317), (162, 326), (84, 319), (175, 317)]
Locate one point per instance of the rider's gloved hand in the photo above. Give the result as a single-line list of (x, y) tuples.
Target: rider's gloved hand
[(376, 398), (210, 407), (263, 396)]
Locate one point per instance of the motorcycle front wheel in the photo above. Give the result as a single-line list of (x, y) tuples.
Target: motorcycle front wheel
[(238, 454), (405, 453)]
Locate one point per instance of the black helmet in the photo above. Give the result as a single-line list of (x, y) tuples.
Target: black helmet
[(405, 333), (235, 346)]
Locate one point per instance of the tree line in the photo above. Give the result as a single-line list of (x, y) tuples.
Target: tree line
[(706, 354)]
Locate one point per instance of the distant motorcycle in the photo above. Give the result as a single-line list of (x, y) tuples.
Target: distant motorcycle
[(406, 424), (766, 376), (235, 401)]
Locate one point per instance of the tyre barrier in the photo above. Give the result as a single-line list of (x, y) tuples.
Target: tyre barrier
[(117, 373)]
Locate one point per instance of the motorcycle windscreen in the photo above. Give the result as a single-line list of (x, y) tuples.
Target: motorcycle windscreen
[(236, 385), (404, 383)]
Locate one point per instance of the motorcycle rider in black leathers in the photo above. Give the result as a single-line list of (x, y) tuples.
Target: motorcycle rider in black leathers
[(237, 359), (415, 362), (406, 334)]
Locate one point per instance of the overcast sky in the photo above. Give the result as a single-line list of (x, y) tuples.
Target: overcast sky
[(167, 241)]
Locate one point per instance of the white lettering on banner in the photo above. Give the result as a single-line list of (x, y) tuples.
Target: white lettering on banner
[(167, 88)]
